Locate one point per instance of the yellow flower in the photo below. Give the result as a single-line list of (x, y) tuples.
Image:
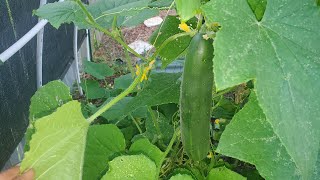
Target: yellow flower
[(137, 70), (146, 71), (210, 155), (217, 121), (184, 27)]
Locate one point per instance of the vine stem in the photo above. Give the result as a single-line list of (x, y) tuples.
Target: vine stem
[(136, 123), (155, 123), (199, 22), (128, 58), (116, 99), (105, 31), (173, 139), (170, 39)]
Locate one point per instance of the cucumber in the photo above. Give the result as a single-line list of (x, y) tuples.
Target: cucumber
[(196, 98)]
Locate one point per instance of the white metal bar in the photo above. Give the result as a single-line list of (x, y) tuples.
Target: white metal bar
[(23, 40), (75, 54), (40, 51), (88, 46)]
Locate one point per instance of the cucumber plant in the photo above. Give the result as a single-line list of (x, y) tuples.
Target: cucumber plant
[(263, 77)]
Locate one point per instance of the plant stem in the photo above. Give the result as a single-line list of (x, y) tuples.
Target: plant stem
[(170, 39), (128, 58), (136, 123), (199, 24), (105, 31), (116, 99), (84, 9), (173, 139), (155, 123)]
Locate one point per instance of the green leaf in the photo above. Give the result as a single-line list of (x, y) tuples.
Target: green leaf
[(161, 3), (57, 147), (281, 52), (123, 82), (223, 173), (181, 177), (225, 109), (58, 13), (104, 11), (98, 70), (168, 110), (135, 167), (166, 129), (172, 50), (143, 146), (140, 17), (316, 173), (93, 90), (48, 98), (45, 101), (103, 141), (163, 88), (187, 9), (250, 138), (258, 7), (116, 112)]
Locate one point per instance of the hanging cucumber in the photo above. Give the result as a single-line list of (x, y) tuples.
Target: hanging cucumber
[(196, 98)]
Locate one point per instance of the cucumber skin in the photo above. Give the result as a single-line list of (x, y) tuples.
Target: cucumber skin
[(196, 98)]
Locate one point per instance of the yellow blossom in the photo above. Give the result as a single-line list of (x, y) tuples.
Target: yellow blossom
[(146, 71), (184, 27), (217, 121), (210, 155), (137, 70)]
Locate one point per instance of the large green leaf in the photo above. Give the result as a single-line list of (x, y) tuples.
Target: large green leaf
[(116, 112), (164, 88), (58, 13), (123, 82), (166, 129), (187, 8), (139, 17), (250, 137), (135, 167), (161, 3), (172, 50), (281, 52), (181, 177), (102, 11), (258, 7), (143, 146), (93, 90), (45, 101), (103, 141), (98, 70), (223, 173), (48, 98), (57, 147)]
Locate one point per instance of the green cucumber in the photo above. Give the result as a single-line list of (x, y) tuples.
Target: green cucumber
[(196, 98)]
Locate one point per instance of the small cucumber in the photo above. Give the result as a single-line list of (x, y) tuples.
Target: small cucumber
[(196, 98)]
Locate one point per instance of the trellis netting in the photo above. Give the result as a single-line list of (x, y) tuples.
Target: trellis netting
[(18, 74)]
